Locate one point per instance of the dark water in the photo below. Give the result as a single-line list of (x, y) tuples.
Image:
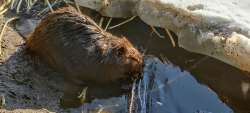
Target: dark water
[(167, 89)]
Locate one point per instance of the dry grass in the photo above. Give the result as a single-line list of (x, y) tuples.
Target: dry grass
[(3, 30), (124, 22), (77, 6), (161, 36), (3, 6), (170, 37), (101, 21), (131, 104), (11, 4), (50, 7), (109, 21), (16, 4), (3, 9), (156, 32)]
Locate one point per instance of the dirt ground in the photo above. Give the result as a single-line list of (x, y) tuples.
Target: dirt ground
[(29, 86), (25, 83)]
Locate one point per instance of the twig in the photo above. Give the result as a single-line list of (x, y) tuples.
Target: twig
[(50, 7), (95, 24), (101, 21), (3, 11), (156, 32), (13, 3), (77, 6), (164, 59), (30, 4), (2, 32), (3, 6), (170, 37), (46, 9), (18, 6), (132, 98), (110, 19), (124, 22)]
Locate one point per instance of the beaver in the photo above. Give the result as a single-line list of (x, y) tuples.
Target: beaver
[(72, 43)]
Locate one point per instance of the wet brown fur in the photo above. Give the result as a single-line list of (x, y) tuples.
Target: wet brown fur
[(72, 43)]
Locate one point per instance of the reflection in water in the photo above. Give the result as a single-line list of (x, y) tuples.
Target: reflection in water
[(163, 89), (166, 89)]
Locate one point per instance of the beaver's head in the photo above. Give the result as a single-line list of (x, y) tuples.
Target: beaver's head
[(127, 60)]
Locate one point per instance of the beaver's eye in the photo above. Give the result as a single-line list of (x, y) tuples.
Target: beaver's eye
[(121, 51)]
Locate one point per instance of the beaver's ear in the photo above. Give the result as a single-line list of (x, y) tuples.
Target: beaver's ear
[(121, 51)]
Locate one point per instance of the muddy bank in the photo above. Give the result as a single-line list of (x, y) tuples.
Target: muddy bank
[(26, 84)]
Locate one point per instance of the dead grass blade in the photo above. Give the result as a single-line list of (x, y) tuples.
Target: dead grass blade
[(170, 37), (124, 22), (3, 30)]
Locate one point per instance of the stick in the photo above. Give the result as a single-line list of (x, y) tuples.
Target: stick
[(18, 6), (101, 21), (132, 98), (50, 7), (171, 37), (2, 12), (124, 22), (77, 6), (3, 6), (156, 32), (110, 19), (46, 9)]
